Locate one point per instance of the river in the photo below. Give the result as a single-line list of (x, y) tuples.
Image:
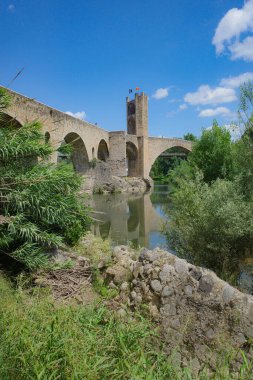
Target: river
[(136, 220), (130, 218)]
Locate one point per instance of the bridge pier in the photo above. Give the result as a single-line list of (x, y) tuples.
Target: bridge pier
[(117, 156)]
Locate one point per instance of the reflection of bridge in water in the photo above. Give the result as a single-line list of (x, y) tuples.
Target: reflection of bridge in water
[(126, 218)]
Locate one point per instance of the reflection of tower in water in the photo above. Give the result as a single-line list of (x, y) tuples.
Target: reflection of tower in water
[(126, 219)]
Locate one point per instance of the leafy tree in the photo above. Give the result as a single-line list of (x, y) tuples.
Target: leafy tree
[(190, 137), (40, 209), (243, 149), (246, 106), (211, 225), (212, 219), (212, 153)]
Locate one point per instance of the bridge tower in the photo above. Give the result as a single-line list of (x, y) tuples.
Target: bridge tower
[(137, 115), (137, 125)]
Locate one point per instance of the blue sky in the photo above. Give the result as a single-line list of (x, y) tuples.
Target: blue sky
[(189, 56)]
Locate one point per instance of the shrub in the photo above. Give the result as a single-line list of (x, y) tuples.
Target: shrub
[(40, 209), (211, 224)]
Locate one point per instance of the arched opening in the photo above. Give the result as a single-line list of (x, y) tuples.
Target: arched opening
[(131, 108), (132, 159), (47, 137), (9, 121), (131, 125), (78, 154), (103, 152), (167, 161), (93, 152)]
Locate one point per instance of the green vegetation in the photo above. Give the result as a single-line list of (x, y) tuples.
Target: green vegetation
[(190, 137), (39, 205), (93, 163), (212, 153), (40, 340), (212, 194), (40, 210)]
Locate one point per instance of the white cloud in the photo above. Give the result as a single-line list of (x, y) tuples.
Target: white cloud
[(182, 107), (232, 25), (210, 112), (161, 93), (207, 95), (234, 82), (79, 115), (11, 8), (243, 50)]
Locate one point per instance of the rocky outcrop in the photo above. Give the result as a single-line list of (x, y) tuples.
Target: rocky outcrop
[(100, 180), (131, 185), (201, 317)]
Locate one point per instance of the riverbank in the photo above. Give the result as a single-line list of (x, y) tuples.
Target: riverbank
[(149, 314)]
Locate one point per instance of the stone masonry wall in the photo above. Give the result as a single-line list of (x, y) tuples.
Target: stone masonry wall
[(57, 123), (117, 157), (202, 318)]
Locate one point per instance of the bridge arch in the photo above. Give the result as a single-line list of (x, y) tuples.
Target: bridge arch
[(157, 146), (47, 137), (8, 120), (131, 159), (103, 152), (131, 125), (79, 156)]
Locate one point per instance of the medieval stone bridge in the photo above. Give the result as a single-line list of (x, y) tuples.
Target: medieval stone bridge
[(128, 153)]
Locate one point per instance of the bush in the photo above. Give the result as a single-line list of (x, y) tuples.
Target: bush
[(212, 194), (211, 224), (40, 209), (212, 153)]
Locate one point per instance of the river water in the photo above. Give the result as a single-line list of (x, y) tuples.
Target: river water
[(132, 219), (136, 220)]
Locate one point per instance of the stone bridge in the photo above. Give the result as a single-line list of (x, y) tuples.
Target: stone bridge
[(127, 153)]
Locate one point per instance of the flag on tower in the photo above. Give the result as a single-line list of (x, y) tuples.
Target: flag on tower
[(137, 88)]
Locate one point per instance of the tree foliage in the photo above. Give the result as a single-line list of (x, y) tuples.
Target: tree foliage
[(212, 219), (40, 209), (211, 224), (190, 137), (212, 153)]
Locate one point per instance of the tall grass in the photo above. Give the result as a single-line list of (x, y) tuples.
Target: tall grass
[(40, 340)]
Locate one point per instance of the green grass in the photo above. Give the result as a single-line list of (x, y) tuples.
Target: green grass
[(95, 248), (40, 340)]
